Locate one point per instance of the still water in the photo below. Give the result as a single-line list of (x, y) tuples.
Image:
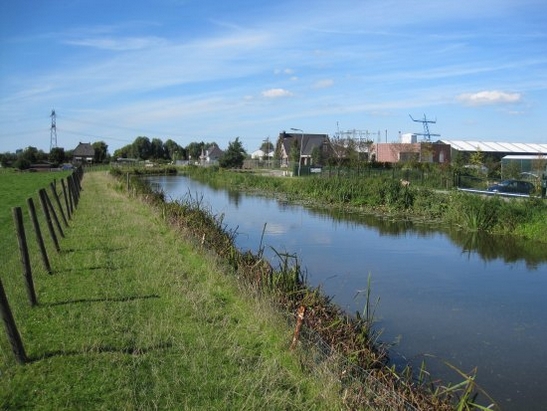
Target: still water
[(471, 301)]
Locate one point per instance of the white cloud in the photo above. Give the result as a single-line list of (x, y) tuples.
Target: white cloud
[(276, 93), (286, 71), (324, 83), (117, 44), (489, 97)]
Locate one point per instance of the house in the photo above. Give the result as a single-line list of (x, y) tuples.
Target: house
[(84, 153), (423, 152), (261, 155), (305, 143), (211, 155)]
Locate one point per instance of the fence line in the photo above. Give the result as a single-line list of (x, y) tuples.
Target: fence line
[(48, 209)]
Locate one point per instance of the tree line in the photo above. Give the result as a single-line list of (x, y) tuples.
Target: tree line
[(30, 156), (142, 148)]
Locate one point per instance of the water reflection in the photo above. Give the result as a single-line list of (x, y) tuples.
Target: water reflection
[(488, 247)]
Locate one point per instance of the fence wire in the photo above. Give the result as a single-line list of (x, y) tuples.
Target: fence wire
[(360, 387)]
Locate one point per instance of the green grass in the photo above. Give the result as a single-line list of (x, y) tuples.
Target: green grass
[(16, 187), (134, 317)]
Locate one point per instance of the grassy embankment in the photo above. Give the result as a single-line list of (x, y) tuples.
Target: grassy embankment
[(135, 317), (387, 197)]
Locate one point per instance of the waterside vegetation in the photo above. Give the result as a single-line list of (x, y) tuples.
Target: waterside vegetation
[(392, 198)]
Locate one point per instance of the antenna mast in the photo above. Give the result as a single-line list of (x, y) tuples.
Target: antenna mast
[(53, 131), (425, 122)]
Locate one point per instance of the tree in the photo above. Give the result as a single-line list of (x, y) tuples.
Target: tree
[(57, 155), (157, 150), (174, 151), (477, 158), (124, 152), (8, 159), (234, 156), (142, 148), (101, 152), (267, 146), (194, 150), (294, 154)]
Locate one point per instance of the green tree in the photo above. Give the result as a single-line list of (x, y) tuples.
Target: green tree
[(30, 154), (101, 152), (8, 159), (57, 155), (174, 151), (267, 146), (142, 148), (124, 152), (234, 156), (157, 150), (294, 154), (477, 158), (194, 149)]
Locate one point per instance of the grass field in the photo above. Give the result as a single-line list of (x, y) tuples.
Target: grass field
[(134, 317)]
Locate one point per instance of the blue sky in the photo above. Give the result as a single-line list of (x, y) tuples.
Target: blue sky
[(213, 71)]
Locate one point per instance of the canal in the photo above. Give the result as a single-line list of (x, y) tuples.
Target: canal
[(445, 296)]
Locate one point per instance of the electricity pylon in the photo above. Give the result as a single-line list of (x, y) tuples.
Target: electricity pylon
[(425, 122)]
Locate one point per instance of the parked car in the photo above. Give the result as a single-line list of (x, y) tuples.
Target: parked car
[(512, 186)]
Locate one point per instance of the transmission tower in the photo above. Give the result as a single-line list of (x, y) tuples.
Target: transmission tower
[(53, 131), (425, 122)]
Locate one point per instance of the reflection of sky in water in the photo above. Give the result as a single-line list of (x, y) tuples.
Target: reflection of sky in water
[(460, 306)]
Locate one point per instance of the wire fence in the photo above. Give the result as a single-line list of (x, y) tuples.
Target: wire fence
[(361, 388)]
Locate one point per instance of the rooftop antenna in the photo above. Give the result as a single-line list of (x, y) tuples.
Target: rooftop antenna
[(53, 131), (425, 122)]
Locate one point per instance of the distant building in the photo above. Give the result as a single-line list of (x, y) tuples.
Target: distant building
[(83, 154), (261, 155), (211, 155), (443, 151), (496, 150), (305, 143), (424, 152)]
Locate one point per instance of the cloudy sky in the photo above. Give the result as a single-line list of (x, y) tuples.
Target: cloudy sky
[(194, 70)]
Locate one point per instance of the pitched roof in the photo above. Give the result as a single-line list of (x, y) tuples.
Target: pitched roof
[(84, 150), (311, 141)]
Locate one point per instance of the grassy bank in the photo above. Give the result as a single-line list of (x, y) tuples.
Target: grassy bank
[(388, 197), (134, 317)]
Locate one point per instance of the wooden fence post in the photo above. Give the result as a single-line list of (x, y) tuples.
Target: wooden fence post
[(45, 209), (52, 211), (11, 328), (73, 189), (38, 233), (70, 195), (23, 249), (58, 201), (66, 199)]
